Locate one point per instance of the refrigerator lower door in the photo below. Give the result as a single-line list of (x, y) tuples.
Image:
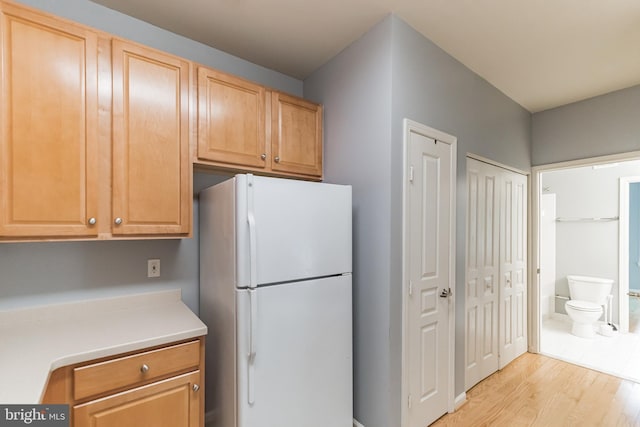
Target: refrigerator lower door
[(301, 371)]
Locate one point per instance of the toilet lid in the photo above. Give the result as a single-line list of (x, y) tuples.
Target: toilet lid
[(584, 305)]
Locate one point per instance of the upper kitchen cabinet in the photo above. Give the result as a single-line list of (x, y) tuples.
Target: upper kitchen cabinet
[(243, 126), (296, 135), (151, 167), (49, 129), (95, 131), (231, 120)]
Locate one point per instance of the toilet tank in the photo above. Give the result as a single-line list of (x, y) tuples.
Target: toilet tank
[(592, 289)]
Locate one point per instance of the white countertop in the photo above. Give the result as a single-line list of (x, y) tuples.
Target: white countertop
[(35, 341)]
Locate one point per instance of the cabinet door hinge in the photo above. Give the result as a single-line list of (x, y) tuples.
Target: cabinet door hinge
[(410, 173), (409, 401), (410, 288)]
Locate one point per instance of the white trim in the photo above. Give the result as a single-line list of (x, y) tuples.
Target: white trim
[(460, 400), (534, 323), (536, 172), (408, 127), (357, 424), (589, 161), (497, 164), (623, 258)]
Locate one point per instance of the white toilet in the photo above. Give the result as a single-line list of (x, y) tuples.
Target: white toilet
[(588, 295)]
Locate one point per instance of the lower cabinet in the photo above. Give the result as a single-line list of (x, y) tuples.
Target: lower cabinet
[(174, 402), (156, 387)]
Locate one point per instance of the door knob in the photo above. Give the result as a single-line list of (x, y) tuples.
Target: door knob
[(445, 293)]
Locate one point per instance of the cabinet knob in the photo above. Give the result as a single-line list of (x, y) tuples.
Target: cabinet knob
[(92, 221), (195, 387), (118, 221), (263, 156), (144, 368), (277, 159)]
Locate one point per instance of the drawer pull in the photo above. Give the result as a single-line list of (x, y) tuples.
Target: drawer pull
[(144, 368), (195, 387)]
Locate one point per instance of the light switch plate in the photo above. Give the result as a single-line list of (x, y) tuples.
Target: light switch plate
[(153, 268)]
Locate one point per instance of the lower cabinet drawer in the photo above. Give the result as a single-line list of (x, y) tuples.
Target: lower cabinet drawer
[(128, 371)]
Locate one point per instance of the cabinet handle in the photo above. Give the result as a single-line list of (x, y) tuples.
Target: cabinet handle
[(92, 221), (263, 156), (118, 221), (277, 159), (195, 387), (144, 368)]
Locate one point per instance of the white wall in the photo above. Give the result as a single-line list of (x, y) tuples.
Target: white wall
[(587, 248)]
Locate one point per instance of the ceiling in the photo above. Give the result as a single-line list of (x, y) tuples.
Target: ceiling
[(542, 54)]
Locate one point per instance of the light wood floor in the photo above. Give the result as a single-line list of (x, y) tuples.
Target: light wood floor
[(536, 390)]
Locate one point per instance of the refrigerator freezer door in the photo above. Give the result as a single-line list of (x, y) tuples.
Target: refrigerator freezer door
[(298, 230), (301, 373)]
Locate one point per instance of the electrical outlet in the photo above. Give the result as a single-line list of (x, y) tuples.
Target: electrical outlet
[(153, 268)]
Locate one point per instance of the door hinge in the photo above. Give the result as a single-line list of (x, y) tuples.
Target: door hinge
[(410, 173), (410, 288), (409, 401)]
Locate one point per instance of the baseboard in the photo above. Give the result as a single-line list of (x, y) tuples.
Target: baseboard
[(460, 400), (357, 424), (209, 418)]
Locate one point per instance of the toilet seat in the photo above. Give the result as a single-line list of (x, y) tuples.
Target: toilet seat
[(586, 306)]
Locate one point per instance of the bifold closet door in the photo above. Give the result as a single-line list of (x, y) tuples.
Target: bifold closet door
[(513, 267), (495, 276), (482, 271)]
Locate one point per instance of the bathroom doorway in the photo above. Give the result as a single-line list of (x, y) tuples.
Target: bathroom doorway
[(576, 210)]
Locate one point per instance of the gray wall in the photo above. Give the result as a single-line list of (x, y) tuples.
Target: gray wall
[(355, 88), (391, 73), (606, 124), (431, 87), (39, 273), (121, 25)]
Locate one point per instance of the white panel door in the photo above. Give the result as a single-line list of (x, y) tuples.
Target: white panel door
[(482, 271), (428, 231), (294, 229), (513, 269), (301, 373)]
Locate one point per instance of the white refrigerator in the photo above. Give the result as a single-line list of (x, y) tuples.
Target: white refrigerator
[(275, 293)]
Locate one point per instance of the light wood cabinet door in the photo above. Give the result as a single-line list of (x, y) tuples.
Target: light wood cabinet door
[(49, 129), (174, 402), (231, 120), (151, 166), (296, 135)]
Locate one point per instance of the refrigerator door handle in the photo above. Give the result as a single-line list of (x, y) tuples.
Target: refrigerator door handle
[(253, 337), (251, 220)]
